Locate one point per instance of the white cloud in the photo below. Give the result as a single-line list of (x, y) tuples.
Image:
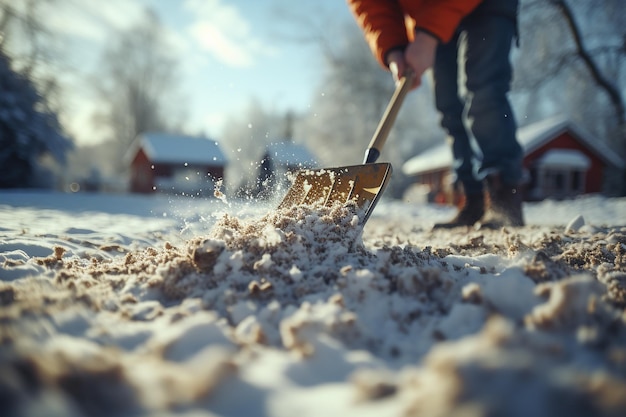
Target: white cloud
[(221, 30), (218, 43)]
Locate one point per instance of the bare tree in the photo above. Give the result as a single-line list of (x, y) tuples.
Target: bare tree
[(573, 56), (592, 57), (24, 33), (137, 85)]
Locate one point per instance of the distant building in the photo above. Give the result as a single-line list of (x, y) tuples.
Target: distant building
[(278, 160), (561, 160), (170, 163)]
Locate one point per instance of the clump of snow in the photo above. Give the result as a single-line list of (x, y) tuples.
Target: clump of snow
[(575, 224)]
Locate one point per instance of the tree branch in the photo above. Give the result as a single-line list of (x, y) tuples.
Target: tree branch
[(611, 89)]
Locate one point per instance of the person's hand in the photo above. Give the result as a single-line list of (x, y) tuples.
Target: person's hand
[(397, 64), (419, 56)]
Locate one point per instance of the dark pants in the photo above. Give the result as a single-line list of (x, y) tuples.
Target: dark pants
[(478, 117)]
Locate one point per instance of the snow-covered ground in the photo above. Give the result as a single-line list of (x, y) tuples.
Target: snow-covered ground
[(129, 305)]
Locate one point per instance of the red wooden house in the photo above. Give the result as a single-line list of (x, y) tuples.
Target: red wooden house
[(179, 164), (561, 160)]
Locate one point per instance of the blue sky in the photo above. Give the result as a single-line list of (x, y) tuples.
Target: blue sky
[(231, 51)]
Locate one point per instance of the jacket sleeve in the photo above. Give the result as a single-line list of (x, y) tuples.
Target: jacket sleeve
[(383, 21)]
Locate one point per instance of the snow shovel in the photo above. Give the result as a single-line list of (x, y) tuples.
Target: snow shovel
[(363, 184)]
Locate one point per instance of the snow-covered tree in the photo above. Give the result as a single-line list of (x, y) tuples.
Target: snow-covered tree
[(28, 130)]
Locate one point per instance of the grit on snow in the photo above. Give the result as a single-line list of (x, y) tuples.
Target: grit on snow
[(137, 306)]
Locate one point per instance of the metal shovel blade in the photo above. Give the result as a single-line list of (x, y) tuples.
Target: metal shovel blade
[(363, 184)]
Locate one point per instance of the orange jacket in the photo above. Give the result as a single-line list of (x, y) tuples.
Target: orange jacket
[(388, 24)]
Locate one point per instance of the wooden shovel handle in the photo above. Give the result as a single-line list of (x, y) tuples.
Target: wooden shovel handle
[(389, 117)]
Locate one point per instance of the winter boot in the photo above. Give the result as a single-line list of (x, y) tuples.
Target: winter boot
[(472, 211), (505, 204)]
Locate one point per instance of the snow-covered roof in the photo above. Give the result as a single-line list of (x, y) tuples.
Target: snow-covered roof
[(565, 158), (290, 154), (178, 149), (530, 137), (537, 134), (432, 159)]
